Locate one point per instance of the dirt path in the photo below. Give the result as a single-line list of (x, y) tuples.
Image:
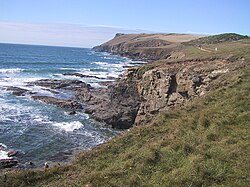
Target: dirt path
[(204, 50)]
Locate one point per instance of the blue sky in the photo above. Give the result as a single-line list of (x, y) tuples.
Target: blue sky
[(179, 16)]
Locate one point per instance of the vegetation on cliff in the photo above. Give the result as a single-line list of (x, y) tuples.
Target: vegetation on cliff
[(204, 143), (148, 47), (215, 39)]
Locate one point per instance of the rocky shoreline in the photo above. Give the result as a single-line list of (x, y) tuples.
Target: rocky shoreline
[(141, 92), (138, 95)]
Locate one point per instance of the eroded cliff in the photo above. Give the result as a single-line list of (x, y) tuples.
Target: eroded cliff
[(160, 86), (143, 92)]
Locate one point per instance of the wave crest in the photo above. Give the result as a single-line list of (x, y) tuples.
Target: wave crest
[(11, 70), (69, 126)]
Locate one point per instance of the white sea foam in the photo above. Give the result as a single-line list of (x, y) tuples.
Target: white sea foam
[(68, 69), (13, 112), (4, 155), (3, 145), (11, 70), (10, 81), (103, 74), (110, 65), (69, 126)]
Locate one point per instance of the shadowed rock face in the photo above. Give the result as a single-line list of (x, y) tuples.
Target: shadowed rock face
[(117, 105)]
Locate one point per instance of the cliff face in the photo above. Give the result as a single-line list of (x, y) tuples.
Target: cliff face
[(171, 85), (143, 92), (117, 105), (160, 86), (147, 47)]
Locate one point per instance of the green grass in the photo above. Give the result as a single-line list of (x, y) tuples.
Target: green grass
[(216, 39), (205, 143)]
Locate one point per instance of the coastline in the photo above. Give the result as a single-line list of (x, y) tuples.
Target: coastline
[(72, 106), (140, 94), (197, 115)]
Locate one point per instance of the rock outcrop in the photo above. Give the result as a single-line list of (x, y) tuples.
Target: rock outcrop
[(171, 85), (116, 105), (148, 90)]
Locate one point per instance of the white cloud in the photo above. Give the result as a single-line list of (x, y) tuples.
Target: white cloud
[(58, 34)]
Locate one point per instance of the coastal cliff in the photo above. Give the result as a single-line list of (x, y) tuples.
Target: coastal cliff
[(160, 86), (180, 68), (147, 47), (192, 123), (143, 92)]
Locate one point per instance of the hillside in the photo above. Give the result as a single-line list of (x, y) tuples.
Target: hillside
[(189, 135), (145, 46), (215, 39)]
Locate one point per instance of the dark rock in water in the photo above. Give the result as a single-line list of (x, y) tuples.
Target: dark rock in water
[(69, 104), (59, 84), (8, 163), (12, 153), (30, 163), (17, 91), (82, 75), (72, 113)]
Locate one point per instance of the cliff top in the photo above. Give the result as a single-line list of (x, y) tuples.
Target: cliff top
[(147, 47), (133, 38), (215, 39)]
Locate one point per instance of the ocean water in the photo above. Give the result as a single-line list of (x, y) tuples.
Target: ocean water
[(42, 132)]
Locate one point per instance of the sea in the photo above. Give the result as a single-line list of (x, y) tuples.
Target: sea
[(41, 132)]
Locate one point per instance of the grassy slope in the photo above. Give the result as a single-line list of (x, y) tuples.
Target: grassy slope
[(215, 39), (204, 144)]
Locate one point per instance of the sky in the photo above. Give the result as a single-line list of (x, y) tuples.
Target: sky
[(85, 23)]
